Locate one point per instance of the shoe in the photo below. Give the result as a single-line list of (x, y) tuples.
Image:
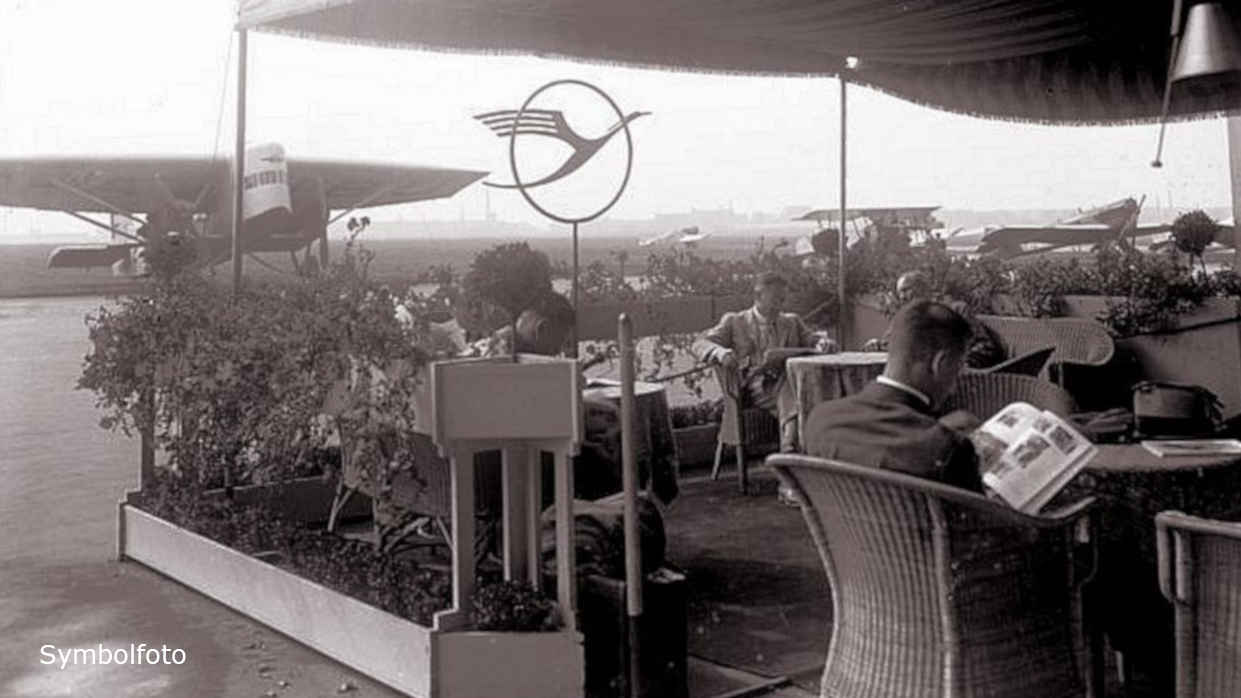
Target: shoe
[(787, 498)]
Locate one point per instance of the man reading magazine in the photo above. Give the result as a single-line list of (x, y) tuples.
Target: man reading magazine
[(893, 423), (1022, 455)]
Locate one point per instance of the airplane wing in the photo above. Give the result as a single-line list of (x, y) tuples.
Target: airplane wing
[(82, 256), (364, 184), (82, 184), (877, 213), (693, 237)]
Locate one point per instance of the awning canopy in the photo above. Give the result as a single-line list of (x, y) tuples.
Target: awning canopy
[(1052, 61)]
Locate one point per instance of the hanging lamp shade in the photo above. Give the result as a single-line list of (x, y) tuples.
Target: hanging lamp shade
[(1205, 61), (1210, 44)]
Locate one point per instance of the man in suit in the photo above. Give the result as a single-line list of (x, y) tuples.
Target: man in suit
[(741, 343), (894, 423)]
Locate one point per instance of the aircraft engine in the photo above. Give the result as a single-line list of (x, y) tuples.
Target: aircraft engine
[(265, 203)]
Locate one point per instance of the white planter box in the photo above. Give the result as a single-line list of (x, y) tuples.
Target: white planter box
[(404, 655)]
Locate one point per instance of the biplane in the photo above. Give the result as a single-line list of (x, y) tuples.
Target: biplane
[(287, 204), (913, 221)]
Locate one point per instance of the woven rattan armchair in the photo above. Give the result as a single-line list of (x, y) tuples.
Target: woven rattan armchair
[(1078, 341), (984, 394), (1200, 573), (940, 592), (751, 431)]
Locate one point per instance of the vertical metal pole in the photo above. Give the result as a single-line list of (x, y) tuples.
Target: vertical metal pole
[(842, 322), (239, 158), (1234, 162), (629, 479), (576, 303)]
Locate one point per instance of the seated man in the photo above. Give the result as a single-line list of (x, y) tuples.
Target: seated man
[(981, 351), (544, 329), (892, 423), (744, 342)]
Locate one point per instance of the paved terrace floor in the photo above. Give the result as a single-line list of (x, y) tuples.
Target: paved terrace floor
[(60, 478)]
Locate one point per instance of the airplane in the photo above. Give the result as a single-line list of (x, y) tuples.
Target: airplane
[(691, 236), (874, 221), (647, 242), (162, 200), (1114, 221)]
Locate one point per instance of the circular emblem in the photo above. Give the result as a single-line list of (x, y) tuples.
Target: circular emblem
[(532, 121)]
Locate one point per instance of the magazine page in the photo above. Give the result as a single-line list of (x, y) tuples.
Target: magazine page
[(1005, 428), (1041, 453)]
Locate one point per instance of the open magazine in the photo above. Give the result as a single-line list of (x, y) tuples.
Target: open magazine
[(1027, 455)]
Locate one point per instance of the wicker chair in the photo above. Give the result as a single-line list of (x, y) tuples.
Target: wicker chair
[(938, 592), (1030, 363), (1078, 341), (742, 428), (1200, 573), (984, 394)]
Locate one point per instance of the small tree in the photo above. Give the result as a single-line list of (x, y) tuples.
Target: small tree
[(1193, 232), (511, 276)]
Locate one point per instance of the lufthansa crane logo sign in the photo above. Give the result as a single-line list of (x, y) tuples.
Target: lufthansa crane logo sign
[(552, 125)]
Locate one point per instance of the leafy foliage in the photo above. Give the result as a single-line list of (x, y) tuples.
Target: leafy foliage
[(513, 606), (510, 276), (395, 585), (705, 412), (235, 387), (1193, 231)]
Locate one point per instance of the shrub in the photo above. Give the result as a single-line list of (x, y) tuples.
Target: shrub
[(236, 387), (1193, 232)]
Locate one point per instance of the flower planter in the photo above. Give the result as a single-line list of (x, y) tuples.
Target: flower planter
[(696, 444), (411, 658)]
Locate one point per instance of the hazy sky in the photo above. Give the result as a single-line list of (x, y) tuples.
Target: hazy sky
[(150, 76)]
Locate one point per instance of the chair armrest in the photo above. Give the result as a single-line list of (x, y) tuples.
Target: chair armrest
[(1171, 532), (1069, 511)]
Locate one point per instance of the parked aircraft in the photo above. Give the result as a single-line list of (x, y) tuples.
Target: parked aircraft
[(286, 205), (691, 236), (647, 242), (1107, 223), (915, 221)]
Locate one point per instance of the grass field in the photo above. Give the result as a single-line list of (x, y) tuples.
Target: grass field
[(24, 272)]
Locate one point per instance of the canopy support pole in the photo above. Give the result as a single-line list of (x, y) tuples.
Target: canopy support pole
[(842, 321), (239, 158), (1234, 161)]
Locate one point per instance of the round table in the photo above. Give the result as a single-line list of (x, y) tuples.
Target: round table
[(655, 447), (821, 377), (1133, 485)]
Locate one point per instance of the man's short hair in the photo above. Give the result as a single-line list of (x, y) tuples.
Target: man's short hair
[(556, 308), (770, 278), (923, 328), (549, 319)]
